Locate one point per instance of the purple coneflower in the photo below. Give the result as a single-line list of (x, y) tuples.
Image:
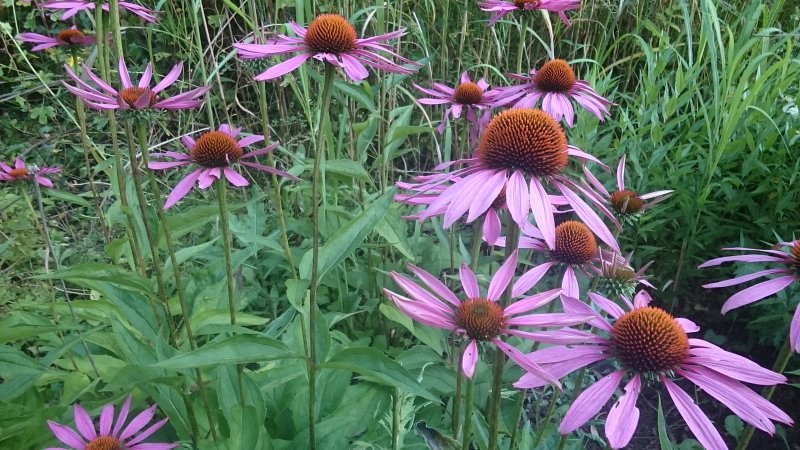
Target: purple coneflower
[(69, 37), (479, 317), (618, 277), (788, 275), (110, 435), (500, 8), (468, 95), (519, 152), (21, 172), (626, 202), (74, 7), (332, 39), (215, 152), (649, 343), (131, 96), (555, 84)]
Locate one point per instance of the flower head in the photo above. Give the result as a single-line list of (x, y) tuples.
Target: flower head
[(135, 97), (653, 347), (21, 172), (555, 84), (330, 38), (500, 8), (617, 277), (478, 317), (111, 435), (787, 274), (69, 37), (625, 202), (216, 152), (74, 7), (468, 96), (519, 152)]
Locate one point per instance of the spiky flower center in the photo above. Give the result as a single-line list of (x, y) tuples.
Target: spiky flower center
[(330, 33), (19, 173), (132, 94), (626, 202), (555, 76), (216, 149), (524, 139), (521, 4), (575, 243), (649, 340), (468, 93), (481, 318), (71, 36), (104, 443), (794, 251)]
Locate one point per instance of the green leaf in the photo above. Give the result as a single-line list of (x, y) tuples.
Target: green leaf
[(116, 275), (68, 197), (734, 425), (663, 439), (347, 238), (234, 350), (393, 229), (376, 367), (14, 362), (347, 168), (25, 331)]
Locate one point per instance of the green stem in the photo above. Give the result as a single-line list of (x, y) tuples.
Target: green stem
[(162, 217), (780, 365), (521, 48), (469, 401), (116, 31), (227, 240), (550, 409), (46, 234), (396, 412), (518, 412), (457, 396), (498, 365), (324, 118)]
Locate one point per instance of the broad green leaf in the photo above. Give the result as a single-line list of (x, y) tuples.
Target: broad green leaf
[(223, 317), (234, 350), (378, 368), (25, 331), (110, 273), (392, 228), (68, 197), (347, 168), (347, 238), (15, 362)]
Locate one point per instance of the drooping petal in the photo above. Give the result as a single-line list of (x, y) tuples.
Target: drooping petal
[(532, 302), (283, 68), (589, 403), (794, 331), (182, 189), (624, 415), (543, 212), (517, 197), (470, 359), (743, 278), (695, 418), (235, 178), (757, 292), (524, 362), (708, 355)]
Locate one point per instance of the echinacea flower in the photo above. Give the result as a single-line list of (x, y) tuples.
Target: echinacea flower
[(216, 152), (131, 96), (650, 344), (788, 274), (617, 276), (479, 317), (468, 95), (500, 8), (330, 38), (519, 152), (69, 37), (21, 172), (627, 203), (110, 435), (74, 7), (555, 84)]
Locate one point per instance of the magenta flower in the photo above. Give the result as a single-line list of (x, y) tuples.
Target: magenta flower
[(131, 96), (555, 84), (468, 95), (74, 7), (479, 318), (332, 39), (69, 37), (520, 151), (109, 435), (21, 172), (215, 152), (626, 202), (649, 343), (500, 8), (788, 274)]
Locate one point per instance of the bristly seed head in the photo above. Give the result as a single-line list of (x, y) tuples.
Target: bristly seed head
[(468, 93), (649, 340), (521, 3), (71, 36), (575, 243), (524, 139), (481, 318), (131, 94), (20, 173), (104, 443), (555, 76), (216, 149), (794, 251), (626, 202), (330, 33)]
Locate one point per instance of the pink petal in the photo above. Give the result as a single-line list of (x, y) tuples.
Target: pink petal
[(549, 320), (353, 68), (698, 422), (84, 422), (621, 174), (470, 359), (503, 276), (419, 294), (794, 331), (138, 423), (530, 278), (624, 415), (757, 292), (283, 68), (170, 78), (235, 178), (106, 420), (146, 433), (517, 197), (607, 305), (123, 415), (123, 74), (489, 192), (741, 258), (543, 212), (589, 403), (708, 355), (519, 358), (491, 227), (146, 76), (743, 278), (530, 303), (469, 282), (180, 191), (435, 285), (66, 435), (569, 284)]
